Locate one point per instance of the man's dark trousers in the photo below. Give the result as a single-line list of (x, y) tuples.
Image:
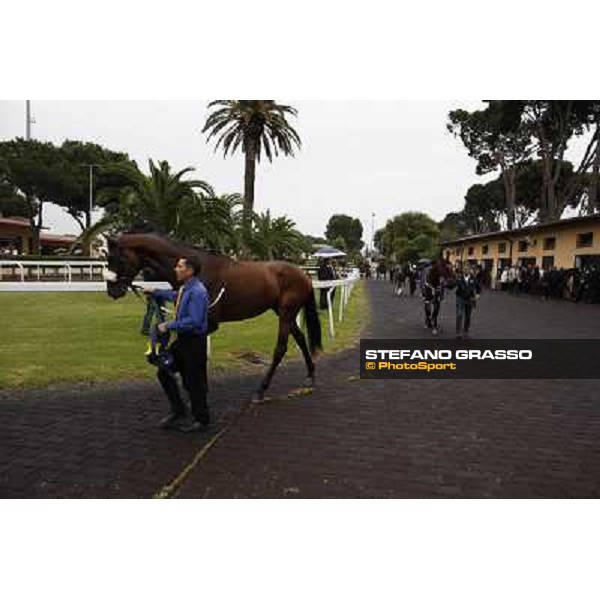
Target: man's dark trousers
[(189, 352), (464, 308)]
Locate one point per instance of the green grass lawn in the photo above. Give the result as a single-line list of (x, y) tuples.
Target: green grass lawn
[(73, 337)]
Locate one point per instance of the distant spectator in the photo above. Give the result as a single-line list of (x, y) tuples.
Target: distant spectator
[(326, 273)]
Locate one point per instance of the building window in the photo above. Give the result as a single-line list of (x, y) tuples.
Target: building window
[(585, 240), (501, 247), (547, 262), (523, 246), (549, 243), (484, 250), (471, 250)]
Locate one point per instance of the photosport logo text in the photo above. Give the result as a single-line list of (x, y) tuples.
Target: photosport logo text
[(480, 359)]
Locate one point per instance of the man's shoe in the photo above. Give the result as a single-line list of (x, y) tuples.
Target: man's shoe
[(193, 427), (171, 421)]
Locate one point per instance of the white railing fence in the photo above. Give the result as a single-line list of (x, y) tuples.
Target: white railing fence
[(345, 286), (62, 268), (68, 284)]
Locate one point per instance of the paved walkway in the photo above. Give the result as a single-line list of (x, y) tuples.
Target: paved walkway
[(350, 438)]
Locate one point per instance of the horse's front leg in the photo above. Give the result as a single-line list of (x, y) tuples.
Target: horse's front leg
[(278, 354), (434, 316)]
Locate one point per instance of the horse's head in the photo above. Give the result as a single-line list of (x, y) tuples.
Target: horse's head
[(443, 269), (124, 263)]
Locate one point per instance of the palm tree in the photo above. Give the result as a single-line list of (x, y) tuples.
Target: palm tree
[(276, 238), (159, 201), (213, 222), (256, 126)]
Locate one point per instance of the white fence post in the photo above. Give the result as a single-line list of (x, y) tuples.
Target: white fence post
[(342, 302), (330, 311), (346, 286)]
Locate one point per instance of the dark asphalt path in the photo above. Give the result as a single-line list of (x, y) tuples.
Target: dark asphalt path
[(350, 438)]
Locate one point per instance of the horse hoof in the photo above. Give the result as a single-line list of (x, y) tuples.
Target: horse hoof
[(309, 382), (257, 398)]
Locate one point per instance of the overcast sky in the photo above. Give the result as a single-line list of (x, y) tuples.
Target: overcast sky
[(356, 158)]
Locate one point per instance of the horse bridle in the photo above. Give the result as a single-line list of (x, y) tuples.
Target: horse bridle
[(126, 282)]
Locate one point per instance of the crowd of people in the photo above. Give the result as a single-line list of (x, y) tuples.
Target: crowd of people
[(8, 251), (579, 285)]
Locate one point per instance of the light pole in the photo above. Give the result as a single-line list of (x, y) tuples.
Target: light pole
[(372, 234), (28, 120)]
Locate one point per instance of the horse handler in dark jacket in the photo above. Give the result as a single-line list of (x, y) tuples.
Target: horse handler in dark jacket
[(189, 349), (468, 289)]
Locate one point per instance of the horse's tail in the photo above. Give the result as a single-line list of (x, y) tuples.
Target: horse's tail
[(313, 324)]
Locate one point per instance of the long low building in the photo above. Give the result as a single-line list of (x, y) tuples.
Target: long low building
[(563, 244), (16, 238)]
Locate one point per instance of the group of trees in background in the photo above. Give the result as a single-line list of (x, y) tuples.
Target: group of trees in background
[(33, 173), (526, 141), (345, 233), (408, 237)]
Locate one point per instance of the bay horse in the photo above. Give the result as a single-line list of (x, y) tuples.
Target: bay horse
[(237, 290), (434, 279)]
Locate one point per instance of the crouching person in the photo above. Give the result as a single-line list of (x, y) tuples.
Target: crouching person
[(467, 292), (188, 351)]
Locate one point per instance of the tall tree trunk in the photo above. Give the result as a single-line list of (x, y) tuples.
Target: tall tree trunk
[(87, 247), (510, 191), (551, 195), (34, 210), (510, 195), (249, 178), (593, 194), (556, 202), (545, 202)]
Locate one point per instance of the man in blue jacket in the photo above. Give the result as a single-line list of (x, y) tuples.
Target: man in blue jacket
[(189, 348)]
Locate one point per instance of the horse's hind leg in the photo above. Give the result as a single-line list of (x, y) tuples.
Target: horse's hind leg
[(301, 341), (279, 352), (434, 316), (427, 306)]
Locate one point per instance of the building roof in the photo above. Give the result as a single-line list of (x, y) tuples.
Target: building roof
[(15, 222), (46, 238), (50, 238), (515, 233)]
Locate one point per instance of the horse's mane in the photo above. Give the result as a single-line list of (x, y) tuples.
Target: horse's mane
[(177, 247), (204, 252)]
